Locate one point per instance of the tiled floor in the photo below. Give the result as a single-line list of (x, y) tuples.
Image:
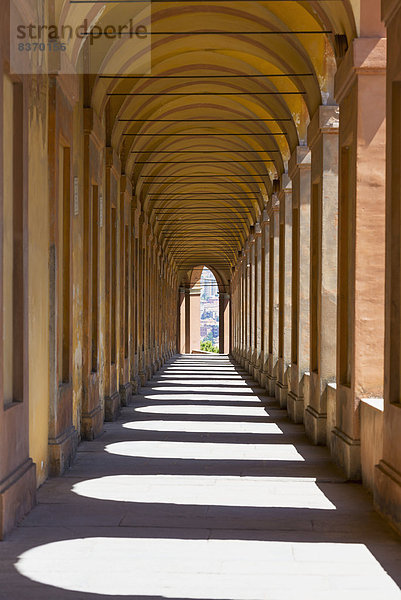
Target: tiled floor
[(202, 490)]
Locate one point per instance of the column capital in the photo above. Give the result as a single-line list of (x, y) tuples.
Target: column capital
[(300, 159), (326, 120), (365, 56), (113, 161), (125, 185), (275, 203), (92, 126), (389, 10)]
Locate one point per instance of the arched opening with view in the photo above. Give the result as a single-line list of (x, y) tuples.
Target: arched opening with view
[(209, 312), (204, 309)]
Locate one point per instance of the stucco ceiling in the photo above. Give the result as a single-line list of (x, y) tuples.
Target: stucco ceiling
[(229, 96)]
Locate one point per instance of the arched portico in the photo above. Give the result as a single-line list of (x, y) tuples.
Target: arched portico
[(189, 311)]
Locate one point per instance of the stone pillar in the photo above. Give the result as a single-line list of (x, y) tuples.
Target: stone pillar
[(194, 301), (62, 433), (285, 276), (387, 492), (111, 379), (247, 282), (243, 308), (274, 213), (323, 141), (361, 93), (125, 384), (299, 169), (224, 323), (252, 304), (265, 228), (258, 303), (92, 414)]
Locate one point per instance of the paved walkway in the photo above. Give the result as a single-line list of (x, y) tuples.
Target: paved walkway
[(202, 490)]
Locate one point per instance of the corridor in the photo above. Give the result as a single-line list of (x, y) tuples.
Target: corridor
[(202, 489)]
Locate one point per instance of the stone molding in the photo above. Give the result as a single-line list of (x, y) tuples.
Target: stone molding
[(367, 56), (301, 158), (325, 120)]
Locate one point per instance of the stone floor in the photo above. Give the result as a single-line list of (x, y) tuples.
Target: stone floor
[(202, 490)]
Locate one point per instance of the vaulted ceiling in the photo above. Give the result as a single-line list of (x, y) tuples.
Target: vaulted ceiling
[(206, 113)]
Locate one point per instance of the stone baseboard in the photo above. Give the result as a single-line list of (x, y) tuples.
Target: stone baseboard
[(346, 453), (143, 378), (315, 426), (257, 374), (92, 424), (17, 496), (112, 407), (62, 450), (281, 393), (263, 379), (125, 393), (135, 385), (387, 493), (271, 384), (295, 407)]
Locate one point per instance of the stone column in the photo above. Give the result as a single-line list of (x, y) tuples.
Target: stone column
[(224, 323), (194, 301), (125, 293), (247, 282), (299, 169), (265, 227), (323, 141), (243, 308), (387, 492), (252, 304), (285, 276), (93, 252), (111, 375), (258, 303), (274, 213), (361, 93)]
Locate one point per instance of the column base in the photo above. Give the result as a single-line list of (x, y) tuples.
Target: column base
[(135, 385), (281, 393), (62, 450), (263, 379), (92, 424), (387, 493), (315, 426), (283, 377), (112, 407), (271, 385), (17, 496), (125, 393), (295, 407), (142, 377), (258, 375), (346, 453)]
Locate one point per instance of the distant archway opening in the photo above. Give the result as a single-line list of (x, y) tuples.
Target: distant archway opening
[(209, 312), (204, 299)]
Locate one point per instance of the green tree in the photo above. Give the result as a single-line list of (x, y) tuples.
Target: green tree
[(207, 345)]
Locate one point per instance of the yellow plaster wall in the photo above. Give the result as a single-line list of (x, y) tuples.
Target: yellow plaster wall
[(38, 280)]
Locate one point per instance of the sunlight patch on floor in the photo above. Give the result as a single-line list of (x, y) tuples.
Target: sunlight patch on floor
[(203, 397), (205, 451), (204, 427), (266, 492), (209, 569), (193, 409)]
